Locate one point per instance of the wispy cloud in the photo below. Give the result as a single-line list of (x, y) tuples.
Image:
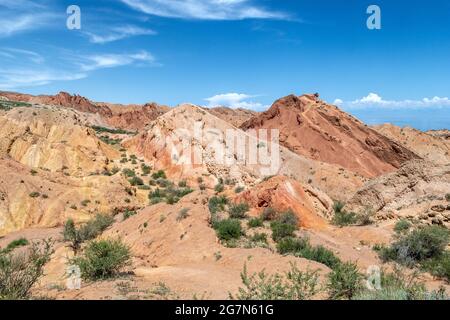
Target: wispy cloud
[(13, 53), (373, 100), (119, 33), (103, 61), (12, 24), (205, 9), (19, 78), (235, 101)]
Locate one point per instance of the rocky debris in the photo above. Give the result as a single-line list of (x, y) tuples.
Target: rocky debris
[(310, 127), (417, 189)]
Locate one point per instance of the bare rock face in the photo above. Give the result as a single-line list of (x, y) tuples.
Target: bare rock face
[(415, 189), (236, 117), (431, 146), (312, 128), (129, 117), (281, 193)]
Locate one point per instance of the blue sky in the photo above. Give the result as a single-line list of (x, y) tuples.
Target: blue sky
[(236, 52)]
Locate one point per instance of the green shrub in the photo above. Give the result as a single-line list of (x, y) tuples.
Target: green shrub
[(87, 231), (219, 188), (128, 213), (238, 211), (182, 184), (159, 174), (366, 217), (292, 285), (136, 181), (145, 169), (239, 189), (344, 281), (439, 266), (21, 242), (34, 194), (303, 248), (228, 229), (397, 286), (19, 272), (217, 204), (447, 197), (129, 173), (259, 237), (85, 203), (281, 230), (102, 259), (424, 243), (344, 218), (288, 217), (402, 226), (255, 223)]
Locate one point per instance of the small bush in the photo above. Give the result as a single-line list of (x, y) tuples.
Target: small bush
[(344, 218), (228, 229), (217, 204), (103, 259), (239, 189), (182, 184), (129, 173), (402, 226), (255, 223), (303, 248), (439, 266), (292, 285), (159, 174), (219, 188), (281, 230), (21, 242), (34, 194), (344, 281), (136, 181), (259, 237), (288, 217), (85, 203), (183, 214), (417, 246), (238, 211), (145, 169), (447, 197), (21, 271), (128, 213)]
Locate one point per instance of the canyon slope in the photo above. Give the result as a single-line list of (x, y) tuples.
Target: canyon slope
[(310, 127)]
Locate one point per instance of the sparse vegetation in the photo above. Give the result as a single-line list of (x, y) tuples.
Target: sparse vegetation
[(228, 229), (292, 285), (342, 217), (447, 197), (423, 247), (344, 281), (21, 242), (239, 190), (136, 181), (170, 194), (99, 129), (20, 271), (90, 230), (268, 214), (402, 226), (129, 173), (183, 214), (128, 213), (238, 211), (34, 194), (102, 259), (255, 223), (217, 204), (219, 188), (302, 248), (159, 175)]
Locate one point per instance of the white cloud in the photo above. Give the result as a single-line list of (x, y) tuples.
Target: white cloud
[(235, 101), (14, 53), (103, 61), (20, 78), (373, 100), (12, 24), (119, 33), (204, 9)]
